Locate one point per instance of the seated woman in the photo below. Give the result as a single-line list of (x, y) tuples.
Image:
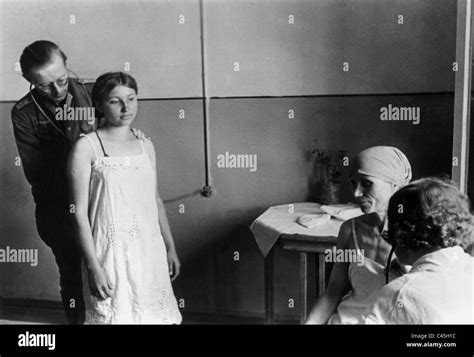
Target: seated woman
[(376, 173), (429, 225), (120, 220)]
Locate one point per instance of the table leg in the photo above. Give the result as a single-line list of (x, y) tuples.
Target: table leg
[(303, 286), (269, 287), (321, 274)]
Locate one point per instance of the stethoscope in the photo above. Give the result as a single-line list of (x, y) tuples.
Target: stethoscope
[(384, 235), (389, 261), (44, 113)]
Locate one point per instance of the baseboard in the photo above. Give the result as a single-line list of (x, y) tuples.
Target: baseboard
[(31, 303), (32, 310), (47, 311)]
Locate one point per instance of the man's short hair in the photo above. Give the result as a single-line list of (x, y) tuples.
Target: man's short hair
[(38, 54)]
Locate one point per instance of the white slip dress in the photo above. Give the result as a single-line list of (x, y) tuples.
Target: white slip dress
[(123, 215)]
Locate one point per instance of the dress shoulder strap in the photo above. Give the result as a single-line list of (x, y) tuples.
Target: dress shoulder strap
[(354, 234), (142, 141), (101, 145), (91, 143)]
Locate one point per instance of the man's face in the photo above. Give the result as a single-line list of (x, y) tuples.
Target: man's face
[(51, 79)]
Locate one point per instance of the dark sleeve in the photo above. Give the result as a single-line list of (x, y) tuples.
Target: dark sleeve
[(28, 145), (89, 86)]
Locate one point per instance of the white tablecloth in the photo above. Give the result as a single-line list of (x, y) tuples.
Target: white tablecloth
[(278, 220)]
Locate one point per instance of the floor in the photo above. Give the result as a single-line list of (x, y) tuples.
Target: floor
[(56, 318), (13, 315), (23, 311)]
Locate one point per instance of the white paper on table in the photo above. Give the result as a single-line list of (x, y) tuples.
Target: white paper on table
[(343, 212), (278, 220)]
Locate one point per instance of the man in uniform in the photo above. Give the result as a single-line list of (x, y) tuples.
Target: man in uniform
[(44, 140), (44, 144)]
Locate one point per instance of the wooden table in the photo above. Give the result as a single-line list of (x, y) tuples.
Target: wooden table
[(304, 244)]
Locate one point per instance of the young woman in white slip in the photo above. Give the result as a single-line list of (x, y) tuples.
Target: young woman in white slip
[(129, 256)]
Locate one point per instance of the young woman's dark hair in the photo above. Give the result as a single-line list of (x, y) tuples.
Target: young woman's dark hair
[(38, 54), (427, 213), (106, 83)]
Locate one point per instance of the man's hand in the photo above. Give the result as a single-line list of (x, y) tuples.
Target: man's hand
[(138, 134)]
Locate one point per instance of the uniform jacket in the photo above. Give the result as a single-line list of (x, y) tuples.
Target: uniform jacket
[(43, 149)]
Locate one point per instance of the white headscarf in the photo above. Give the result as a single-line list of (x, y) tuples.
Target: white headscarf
[(384, 162)]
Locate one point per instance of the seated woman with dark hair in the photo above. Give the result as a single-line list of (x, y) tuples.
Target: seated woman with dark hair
[(429, 227)]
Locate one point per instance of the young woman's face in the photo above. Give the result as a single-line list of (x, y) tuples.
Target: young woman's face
[(372, 194), (120, 106)]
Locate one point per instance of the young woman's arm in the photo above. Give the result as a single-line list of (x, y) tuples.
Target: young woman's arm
[(79, 172), (174, 264), (338, 286)]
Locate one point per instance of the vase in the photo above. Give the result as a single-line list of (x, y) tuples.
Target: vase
[(329, 193)]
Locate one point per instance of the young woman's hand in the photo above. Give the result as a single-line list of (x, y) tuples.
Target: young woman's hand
[(99, 284), (173, 264)]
